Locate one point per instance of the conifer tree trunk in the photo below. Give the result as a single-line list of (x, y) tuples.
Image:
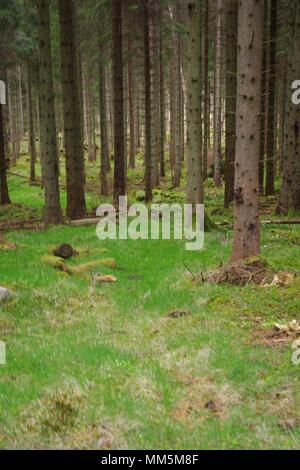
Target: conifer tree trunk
[(175, 100), (270, 167), (155, 89), (162, 102), (206, 111), (231, 70), (118, 102), (4, 195), (76, 208), (218, 97), (49, 157), (20, 104), (103, 125), (132, 98), (32, 145), (90, 111), (148, 111), (263, 104), (246, 240), (194, 163), (290, 185), (282, 114)]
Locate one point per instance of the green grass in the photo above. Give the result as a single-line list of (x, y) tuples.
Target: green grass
[(92, 366)]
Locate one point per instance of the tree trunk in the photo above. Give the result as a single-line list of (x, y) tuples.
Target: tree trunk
[(270, 168), (194, 163), (175, 100), (282, 114), (32, 143), (290, 186), (246, 241), (218, 96), (118, 103), (206, 135), (231, 70), (50, 170), (148, 111), (90, 111), (263, 104), (4, 196), (76, 208), (162, 112), (103, 126), (131, 95), (20, 104)]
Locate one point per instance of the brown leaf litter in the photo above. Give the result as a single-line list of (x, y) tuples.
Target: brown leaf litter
[(178, 314), (254, 270), (279, 334)]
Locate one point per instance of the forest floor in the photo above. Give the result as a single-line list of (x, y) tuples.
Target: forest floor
[(155, 360)]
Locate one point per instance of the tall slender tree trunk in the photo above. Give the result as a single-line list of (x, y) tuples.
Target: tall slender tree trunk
[(194, 162), (263, 104), (118, 103), (155, 89), (32, 143), (20, 104), (290, 186), (246, 241), (172, 107), (103, 125), (162, 102), (175, 100), (49, 156), (270, 167), (76, 208), (90, 111), (148, 111), (131, 96), (206, 112), (218, 95), (281, 111), (4, 196), (231, 71)]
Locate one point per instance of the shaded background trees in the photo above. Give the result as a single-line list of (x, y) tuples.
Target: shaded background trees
[(125, 94)]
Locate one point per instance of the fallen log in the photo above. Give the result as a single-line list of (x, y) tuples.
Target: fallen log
[(83, 222), (224, 223)]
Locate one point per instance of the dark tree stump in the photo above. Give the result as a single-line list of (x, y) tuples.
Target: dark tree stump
[(65, 251)]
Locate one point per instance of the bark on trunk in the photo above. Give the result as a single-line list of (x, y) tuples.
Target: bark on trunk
[(231, 70), (263, 104), (32, 143), (270, 168), (147, 70), (4, 196), (118, 103), (194, 162), (290, 186), (76, 208), (162, 112), (131, 95), (246, 241), (206, 135), (49, 157), (103, 126), (218, 96)]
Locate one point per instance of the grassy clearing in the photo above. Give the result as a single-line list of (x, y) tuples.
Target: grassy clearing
[(103, 366)]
